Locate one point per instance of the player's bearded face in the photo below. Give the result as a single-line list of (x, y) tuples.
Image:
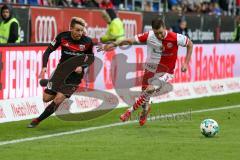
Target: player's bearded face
[(160, 33), (77, 31)]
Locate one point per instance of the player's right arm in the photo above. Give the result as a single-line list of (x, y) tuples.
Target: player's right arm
[(140, 38), (52, 47), (184, 41)]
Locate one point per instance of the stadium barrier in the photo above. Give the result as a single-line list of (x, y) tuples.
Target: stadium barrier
[(213, 70)]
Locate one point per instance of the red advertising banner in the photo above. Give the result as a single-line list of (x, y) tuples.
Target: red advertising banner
[(21, 67), (132, 22), (47, 22)]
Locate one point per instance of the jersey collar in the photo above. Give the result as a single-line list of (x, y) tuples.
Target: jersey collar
[(166, 31)]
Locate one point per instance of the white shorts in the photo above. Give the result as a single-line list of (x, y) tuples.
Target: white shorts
[(156, 79)]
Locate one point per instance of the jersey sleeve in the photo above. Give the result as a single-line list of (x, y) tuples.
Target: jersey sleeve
[(51, 47), (182, 40), (56, 42), (142, 38)]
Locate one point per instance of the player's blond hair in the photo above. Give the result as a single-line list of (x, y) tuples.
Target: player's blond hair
[(78, 20)]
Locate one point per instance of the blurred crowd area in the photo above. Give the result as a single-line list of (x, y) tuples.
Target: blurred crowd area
[(69, 3), (211, 7)]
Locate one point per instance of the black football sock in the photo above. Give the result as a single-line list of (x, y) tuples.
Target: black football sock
[(50, 109)]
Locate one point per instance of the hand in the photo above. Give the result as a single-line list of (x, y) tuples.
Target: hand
[(184, 67), (42, 73), (100, 47), (79, 70), (107, 47)]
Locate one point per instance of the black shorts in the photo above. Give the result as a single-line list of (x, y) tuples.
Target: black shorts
[(67, 88)]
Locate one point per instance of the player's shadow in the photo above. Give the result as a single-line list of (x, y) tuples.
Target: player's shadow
[(108, 102)]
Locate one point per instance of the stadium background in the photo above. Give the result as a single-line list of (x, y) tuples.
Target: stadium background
[(172, 130), (214, 68)]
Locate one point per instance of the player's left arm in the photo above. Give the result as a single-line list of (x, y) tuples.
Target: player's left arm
[(90, 59), (113, 45), (184, 41)]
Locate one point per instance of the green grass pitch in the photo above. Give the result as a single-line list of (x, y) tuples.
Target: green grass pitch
[(168, 138)]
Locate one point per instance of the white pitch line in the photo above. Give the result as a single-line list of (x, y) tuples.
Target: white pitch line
[(109, 125)]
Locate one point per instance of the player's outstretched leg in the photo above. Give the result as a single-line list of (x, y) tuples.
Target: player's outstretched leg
[(143, 98), (49, 110)]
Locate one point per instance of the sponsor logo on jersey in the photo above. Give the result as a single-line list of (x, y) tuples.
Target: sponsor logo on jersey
[(82, 47), (169, 45), (73, 53), (49, 85)]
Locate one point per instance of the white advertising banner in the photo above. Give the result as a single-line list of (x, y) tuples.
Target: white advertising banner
[(214, 69)]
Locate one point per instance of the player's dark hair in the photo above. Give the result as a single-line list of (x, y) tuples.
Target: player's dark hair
[(157, 23), (76, 21)]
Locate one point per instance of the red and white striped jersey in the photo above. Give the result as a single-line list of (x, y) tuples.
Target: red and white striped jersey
[(162, 54)]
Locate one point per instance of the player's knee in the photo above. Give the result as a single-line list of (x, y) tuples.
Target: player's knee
[(150, 89), (46, 99), (59, 99)]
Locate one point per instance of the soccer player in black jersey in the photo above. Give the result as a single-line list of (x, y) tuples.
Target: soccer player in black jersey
[(73, 43)]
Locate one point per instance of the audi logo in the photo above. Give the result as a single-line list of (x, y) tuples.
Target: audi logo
[(45, 29), (130, 27)]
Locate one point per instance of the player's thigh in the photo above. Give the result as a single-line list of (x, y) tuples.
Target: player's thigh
[(158, 81), (164, 85), (147, 76), (48, 97), (71, 84), (150, 89), (59, 98), (74, 78)]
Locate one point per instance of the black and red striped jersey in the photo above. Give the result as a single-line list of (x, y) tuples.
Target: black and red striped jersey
[(69, 47)]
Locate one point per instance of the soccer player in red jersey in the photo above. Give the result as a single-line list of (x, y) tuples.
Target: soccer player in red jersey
[(162, 48)]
